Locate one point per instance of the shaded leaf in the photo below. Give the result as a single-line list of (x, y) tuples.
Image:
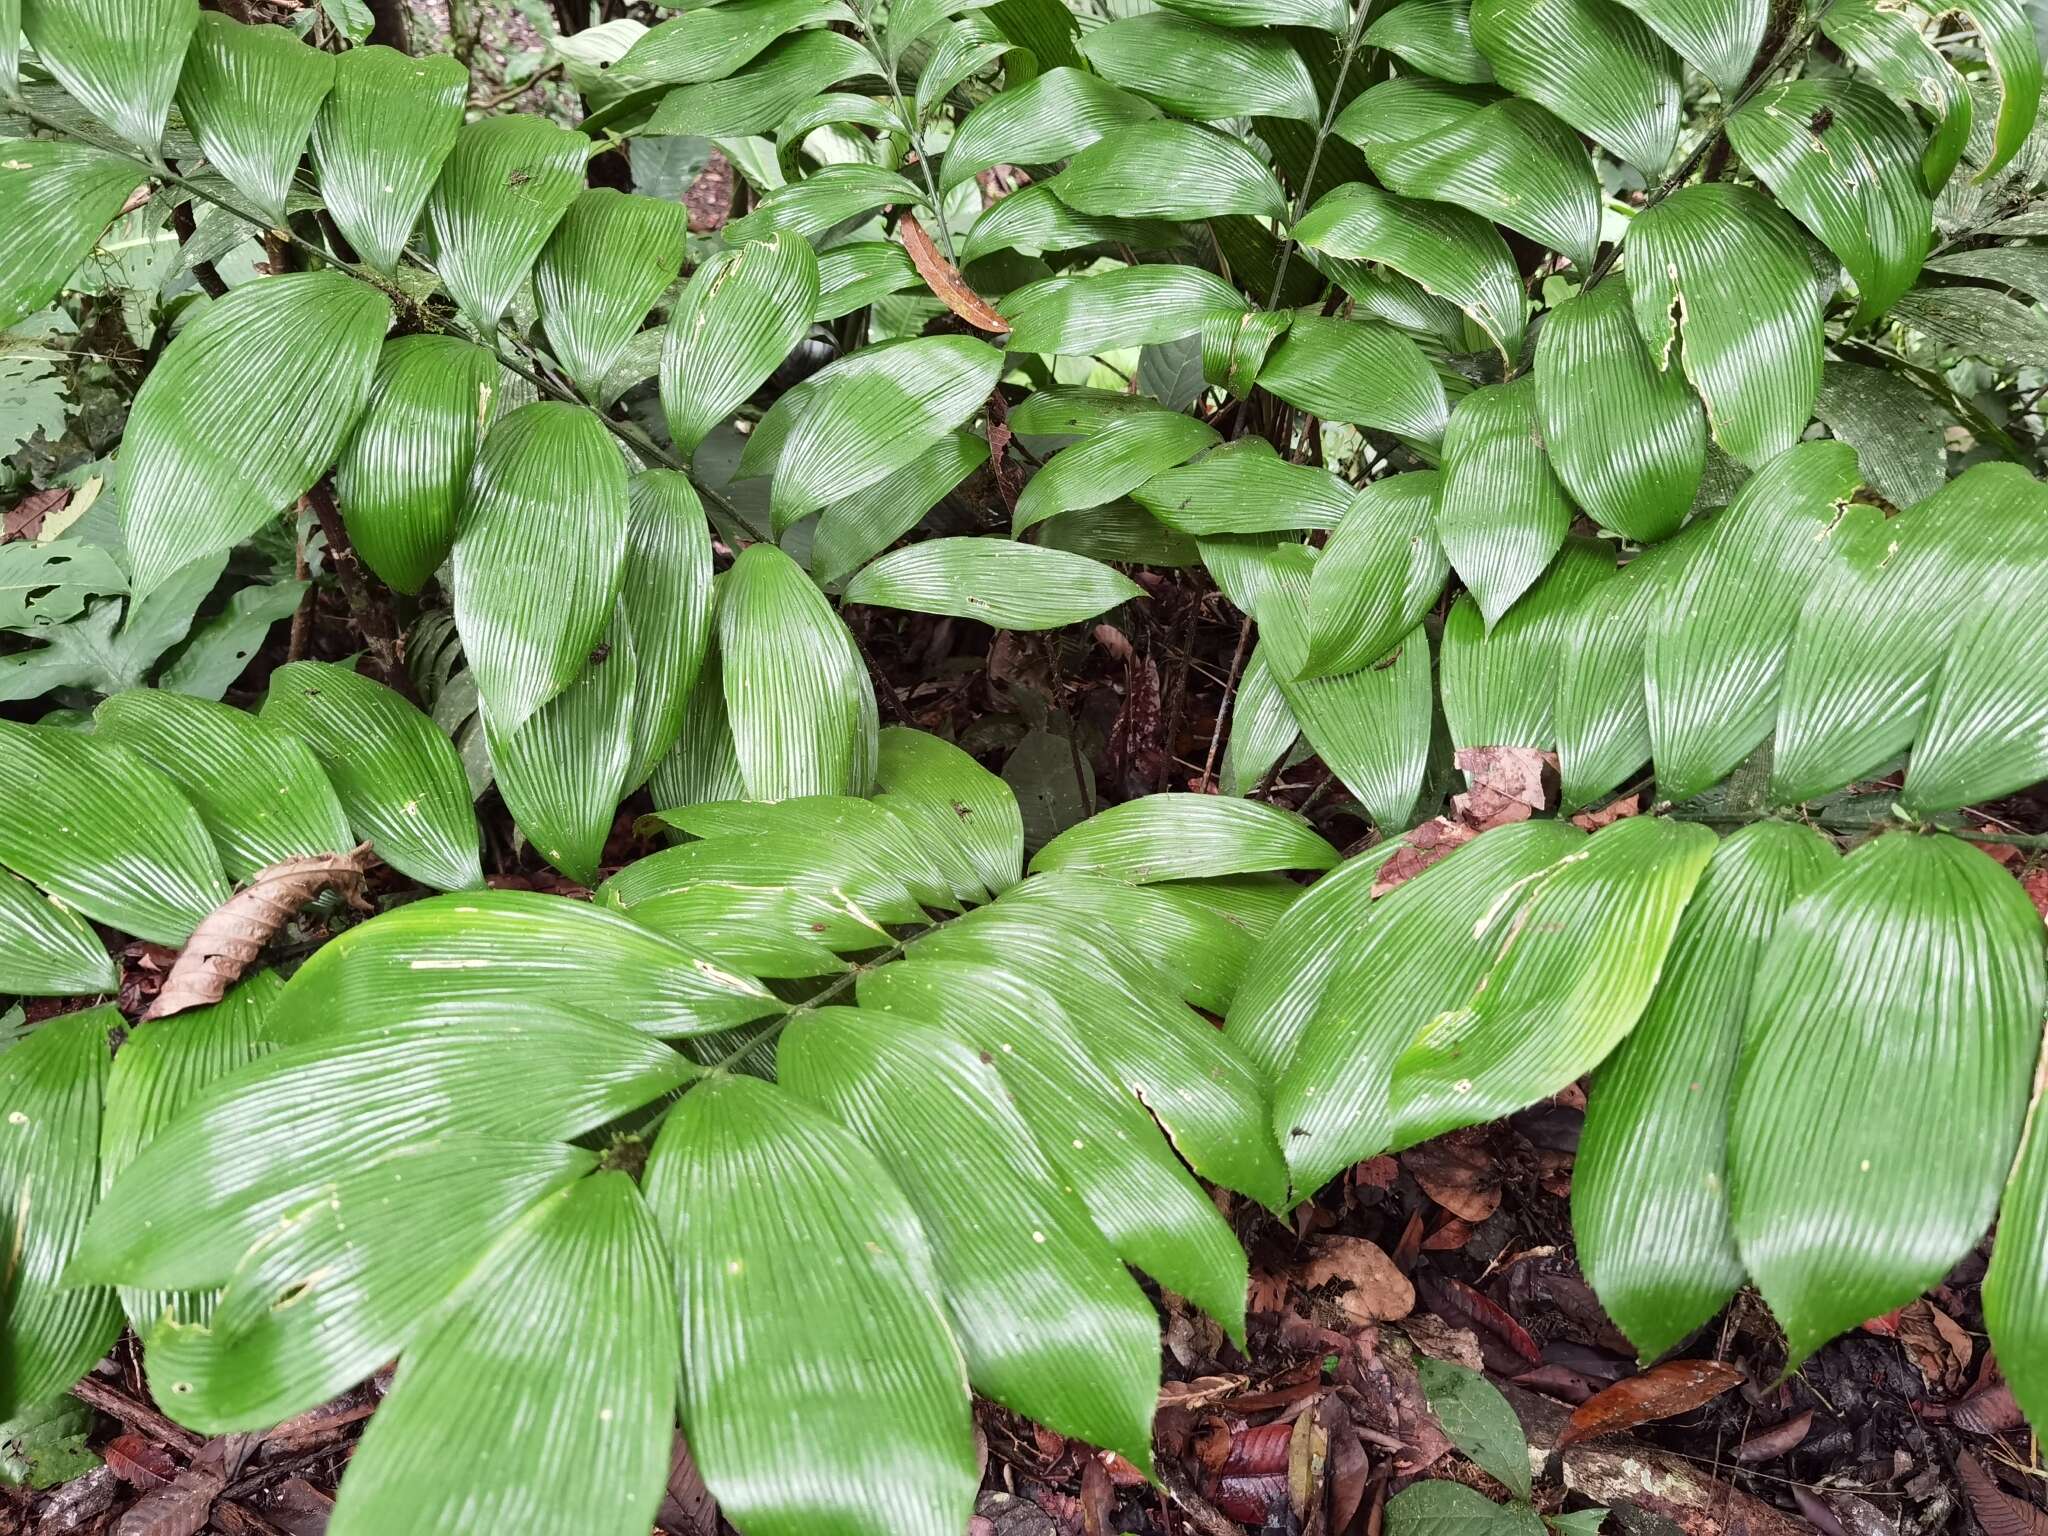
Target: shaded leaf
[(1372, 727), (380, 141), (608, 261), (739, 316), (249, 95), (853, 530), (1661, 1392), (63, 197), (1896, 430), (1478, 1420), (46, 950), (1433, 35), (502, 190), (1381, 571)]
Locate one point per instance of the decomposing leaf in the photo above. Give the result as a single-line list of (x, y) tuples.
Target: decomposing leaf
[(1458, 1172), (1373, 1291), (1675, 1387), (1507, 784), (944, 279), (1769, 1444), (1996, 1510), (229, 940)]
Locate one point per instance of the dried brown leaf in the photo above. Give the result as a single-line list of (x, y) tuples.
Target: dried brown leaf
[(944, 279), (1769, 1444), (1507, 784), (1374, 1291), (180, 1508), (1675, 1387), (1424, 846), (1459, 1172), (139, 1463), (1996, 1510)]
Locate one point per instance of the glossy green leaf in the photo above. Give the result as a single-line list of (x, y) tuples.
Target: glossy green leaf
[(1234, 347), (1478, 1420), (204, 466), (1202, 71), (1649, 1192), (830, 196), (1867, 652), (399, 778), (1451, 252), (10, 47), (249, 95), (1433, 35), (785, 76), (1244, 487), (1502, 515), (1323, 15), (1627, 439), (1722, 287), (933, 783), (380, 141), (704, 764), (821, 1308), (1978, 322), (1034, 220), (1717, 645), (259, 791), (1114, 461), (995, 581), (576, 1400), (1508, 160), (1075, 315), (855, 276), (1371, 727), (119, 59), (1381, 571), (405, 468), (51, 1333), (1891, 44), (1051, 1324), (608, 261), (62, 196), (1045, 120), (801, 704), (1438, 1507), (1855, 182), (856, 528), (1164, 169), (737, 319), (2006, 35), (1360, 371), (2013, 1286), (665, 595), (1497, 684), (1982, 737), (1857, 1183), (1186, 837), (1593, 64), (1719, 38), (539, 551), (502, 190), (1897, 430), (711, 42), (96, 826), (46, 950)]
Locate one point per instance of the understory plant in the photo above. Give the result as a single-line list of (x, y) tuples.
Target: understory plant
[(1635, 384)]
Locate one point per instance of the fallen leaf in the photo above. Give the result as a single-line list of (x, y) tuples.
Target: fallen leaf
[(1308, 1460), (1098, 1500), (1559, 1381), (1459, 1172), (1434, 1337), (1427, 844), (1374, 1290), (1202, 1392), (139, 1463), (1349, 1465), (1769, 1444), (1938, 1345), (181, 1507), (1990, 1411), (687, 1507), (232, 936), (1505, 1343), (24, 520), (1448, 1238), (1996, 1510), (1619, 810), (1675, 1387), (2035, 883), (943, 278), (1507, 784)]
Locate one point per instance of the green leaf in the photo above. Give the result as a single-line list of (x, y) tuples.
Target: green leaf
[(1867, 653), (1114, 461), (1323, 15), (259, 791), (857, 275), (44, 1445), (204, 471), (1080, 314), (249, 95), (380, 141), (608, 261), (1717, 644), (1433, 35), (219, 649), (666, 598), (828, 197), (1896, 430), (1041, 122), (1593, 64), (538, 555), (1033, 219), (820, 1308), (2006, 35), (1186, 837), (1234, 347), (119, 59), (2013, 1287), (1649, 1196), (932, 783), (2021, 267), (1051, 1324), (866, 416), (1203, 71), (737, 319), (404, 470), (1508, 160), (1371, 727), (853, 530), (1981, 739), (998, 582), (1381, 571), (1497, 685), (45, 585), (1453, 253), (786, 76), (1440, 1508), (1855, 182), (1165, 169), (704, 764), (1858, 1181), (578, 1400), (1719, 38), (1478, 1420), (51, 1333), (1244, 487), (1503, 516), (46, 950), (398, 777), (1722, 286), (1977, 322), (1889, 44), (1361, 371), (712, 42), (796, 691), (101, 830), (62, 197), (1565, 980), (504, 187)]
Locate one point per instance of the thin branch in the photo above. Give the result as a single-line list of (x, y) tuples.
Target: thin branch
[(1315, 154), (1244, 640), (368, 603)]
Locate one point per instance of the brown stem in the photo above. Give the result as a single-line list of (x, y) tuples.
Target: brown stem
[(302, 616), (391, 24), (369, 604), (140, 1417), (1244, 640), (184, 224)]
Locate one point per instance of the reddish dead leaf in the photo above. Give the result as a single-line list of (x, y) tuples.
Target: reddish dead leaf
[(139, 1463), (1677, 1386), (1459, 1172), (179, 1508), (943, 278), (1376, 1173), (1507, 784), (1251, 1500), (1424, 846), (1373, 1290), (1619, 810), (300, 1509), (1253, 1451), (1559, 1381), (1770, 1444), (1448, 1238), (24, 520), (1990, 1411), (1434, 1337), (1202, 1392), (1098, 1500), (687, 1508), (1938, 1345), (2035, 883), (1996, 1510), (1503, 1342), (228, 942)]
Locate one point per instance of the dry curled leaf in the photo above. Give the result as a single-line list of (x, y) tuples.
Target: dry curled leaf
[(1424, 846), (181, 1508), (1508, 784), (943, 278), (1677, 1386), (228, 942), (1374, 1290), (1459, 1172)]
